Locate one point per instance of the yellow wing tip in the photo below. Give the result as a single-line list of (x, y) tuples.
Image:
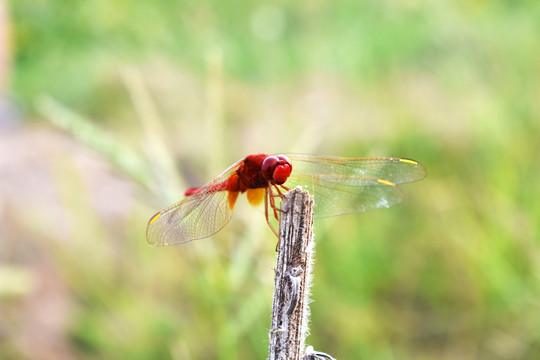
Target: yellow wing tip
[(154, 218), (409, 161), (386, 182), (149, 239)]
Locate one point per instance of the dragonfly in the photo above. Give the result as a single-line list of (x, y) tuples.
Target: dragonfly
[(339, 185)]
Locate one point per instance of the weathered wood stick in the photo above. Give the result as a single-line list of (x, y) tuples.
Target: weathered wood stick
[(290, 310)]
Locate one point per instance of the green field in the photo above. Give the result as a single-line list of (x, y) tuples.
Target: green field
[(109, 110)]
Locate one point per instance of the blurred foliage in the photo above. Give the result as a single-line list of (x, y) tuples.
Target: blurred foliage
[(167, 94)]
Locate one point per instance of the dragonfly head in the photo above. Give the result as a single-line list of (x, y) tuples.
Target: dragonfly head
[(276, 169)]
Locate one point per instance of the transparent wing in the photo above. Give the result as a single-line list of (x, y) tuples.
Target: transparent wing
[(198, 216), (350, 185)]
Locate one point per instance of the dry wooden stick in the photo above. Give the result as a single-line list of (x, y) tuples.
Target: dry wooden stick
[(290, 310)]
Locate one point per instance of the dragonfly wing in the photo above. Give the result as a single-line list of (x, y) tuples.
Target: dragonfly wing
[(395, 170), (351, 185), (334, 196), (196, 217)]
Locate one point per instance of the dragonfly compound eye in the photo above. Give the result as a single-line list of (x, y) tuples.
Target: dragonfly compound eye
[(268, 166), (282, 173), (284, 160)]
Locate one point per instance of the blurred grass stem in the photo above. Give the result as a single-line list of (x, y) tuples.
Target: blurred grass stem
[(214, 118), (85, 131), (159, 153)]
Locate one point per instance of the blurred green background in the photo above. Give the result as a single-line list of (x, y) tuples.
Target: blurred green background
[(110, 109)]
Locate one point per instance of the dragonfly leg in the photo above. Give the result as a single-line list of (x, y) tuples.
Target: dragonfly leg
[(273, 203), (284, 188), (267, 196), (280, 194)]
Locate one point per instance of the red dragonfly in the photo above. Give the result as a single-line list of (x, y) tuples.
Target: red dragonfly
[(339, 185)]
